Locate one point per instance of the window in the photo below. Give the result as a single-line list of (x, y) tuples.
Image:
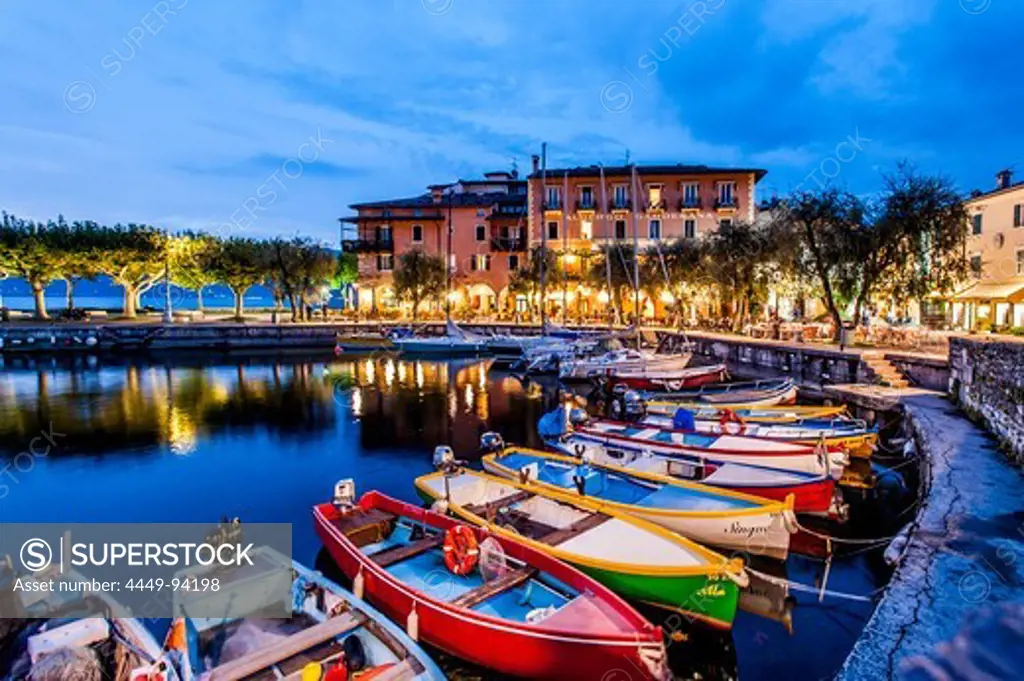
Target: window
[(976, 222), (976, 266), (1016, 214), (725, 223), (725, 193), (552, 230), (385, 262), (586, 197), (620, 229), (480, 212), (690, 229), (481, 233), (513, 262), (621, 196), (554, 198), (654, 195), (691, 194), (654, 229), (384, 233), (417, 234), (480, 263), (417, 212), (586, 229), (1020, 262)]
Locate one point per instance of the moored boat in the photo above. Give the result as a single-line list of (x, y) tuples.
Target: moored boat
[(719, 449), (624, 360), (633, 557), (709, 515), (368, 341), (669, 379), (482, 596), (330, 632), (769, 414), (853, 435), (454, 341), (769, 392)]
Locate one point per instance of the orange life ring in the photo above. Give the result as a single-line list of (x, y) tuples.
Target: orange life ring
[(461, 551), (729, 416)]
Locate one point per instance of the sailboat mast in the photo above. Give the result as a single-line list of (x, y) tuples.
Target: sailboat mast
[(565, 246), (448, 264), (636, 251), (543, 235), (608, 226)]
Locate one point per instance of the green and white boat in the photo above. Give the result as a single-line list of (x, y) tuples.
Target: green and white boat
[(633, 557)]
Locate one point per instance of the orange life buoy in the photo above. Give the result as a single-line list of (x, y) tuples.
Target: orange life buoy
[(729, 416), (460, 549)]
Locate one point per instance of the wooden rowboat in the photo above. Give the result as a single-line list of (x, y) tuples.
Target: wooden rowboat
[(725, 519), (662, 379), (853, 435), (521, 612), (329, 629), (811, 493), (776, 414), (719, 449), (764, 393), (633, 557)]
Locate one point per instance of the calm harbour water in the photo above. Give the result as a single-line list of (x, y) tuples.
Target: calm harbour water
[(195, 438)]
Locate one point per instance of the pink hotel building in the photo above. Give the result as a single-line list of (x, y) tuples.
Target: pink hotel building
[(496, 220)]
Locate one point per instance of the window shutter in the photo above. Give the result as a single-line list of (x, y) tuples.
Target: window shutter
[(1016, 215)]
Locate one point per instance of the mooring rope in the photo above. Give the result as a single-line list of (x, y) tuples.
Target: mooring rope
[(845, 540), (806, 588)]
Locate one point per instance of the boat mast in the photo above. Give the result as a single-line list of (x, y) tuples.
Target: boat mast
[(543, 235), (565, 246), (636, 251), (448, 266), (608, 226)]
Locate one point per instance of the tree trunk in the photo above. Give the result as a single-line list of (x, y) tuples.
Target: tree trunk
[(70, 283), (239, 304), (39, 294), (130, 300), (199, 299)]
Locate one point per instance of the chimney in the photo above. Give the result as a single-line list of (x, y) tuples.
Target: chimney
[(536, 163), (437, 193), (1003, 179)]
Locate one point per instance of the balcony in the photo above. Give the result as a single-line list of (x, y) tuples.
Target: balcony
[(586, 204), (727, 204), (508, 244), (368, 246), (660, 204), (692, 203), (553, 205), (619, 205)]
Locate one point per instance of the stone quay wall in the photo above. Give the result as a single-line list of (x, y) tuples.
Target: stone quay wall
[(987, 381)]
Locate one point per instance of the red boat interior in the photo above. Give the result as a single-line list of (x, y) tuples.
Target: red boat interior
[(499, 585)]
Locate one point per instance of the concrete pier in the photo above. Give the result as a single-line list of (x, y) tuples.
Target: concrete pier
[(966, 544)]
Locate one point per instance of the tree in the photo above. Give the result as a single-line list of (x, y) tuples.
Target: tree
[(737, 259), (822, 223), (239, 265), (346, 273), (612, 270), (677, 268), (135, 257), (192, 262), (27, 250), (526, 279), (418, 277)]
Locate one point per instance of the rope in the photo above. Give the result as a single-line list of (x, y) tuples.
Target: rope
[(806, 588), (844, 540)]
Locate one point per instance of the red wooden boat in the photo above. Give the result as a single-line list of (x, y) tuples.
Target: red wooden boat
[(670, 380), (530, 617)]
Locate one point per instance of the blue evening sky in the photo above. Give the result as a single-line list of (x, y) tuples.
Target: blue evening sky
[(186, 113)]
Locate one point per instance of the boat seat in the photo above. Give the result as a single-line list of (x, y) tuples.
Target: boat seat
[(396, 554), (509, 580), (488, 509), (364, 527), (577, 528), (295, 644)]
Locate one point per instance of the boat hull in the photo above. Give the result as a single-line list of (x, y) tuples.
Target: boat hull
[(500, 646), (439, 347), (688, 378), (588, 369)]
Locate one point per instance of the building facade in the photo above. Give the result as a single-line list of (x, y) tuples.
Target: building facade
[(497, 221), (995, 245)]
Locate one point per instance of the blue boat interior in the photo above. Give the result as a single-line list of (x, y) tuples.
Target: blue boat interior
[(622, 488), (538, 595), (669, 437)]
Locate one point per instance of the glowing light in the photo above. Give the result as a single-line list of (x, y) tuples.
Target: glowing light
[(357, 402), (569, 258), (585, 290), (401, 372), (587, 229), (370, 371), (181, 432), (389, 373), (667, 297), (469, 397), (419, 375), (603, 297), (454, 296)]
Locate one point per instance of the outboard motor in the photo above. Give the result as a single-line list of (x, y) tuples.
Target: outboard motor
[(578, 416), (444, 459), (345, 493), (628, 406), (491, 443)]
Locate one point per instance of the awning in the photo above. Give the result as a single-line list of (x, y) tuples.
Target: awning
[(1011, 291)]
